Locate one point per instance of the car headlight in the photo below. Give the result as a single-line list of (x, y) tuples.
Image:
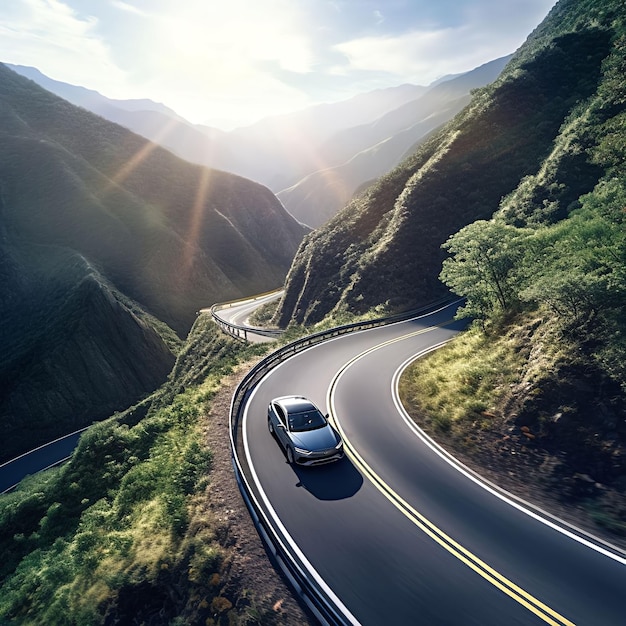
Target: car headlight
[(302, 451)]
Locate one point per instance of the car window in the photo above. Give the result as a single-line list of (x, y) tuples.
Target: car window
[(280, 413), (306, 420)]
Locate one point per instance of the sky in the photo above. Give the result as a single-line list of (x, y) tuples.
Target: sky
[(228, 63)]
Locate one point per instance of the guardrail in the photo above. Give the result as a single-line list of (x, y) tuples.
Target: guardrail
[(316, 597), (240, 331)]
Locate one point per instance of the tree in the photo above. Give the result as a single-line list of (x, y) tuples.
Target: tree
[(582, 271), (484, 266)]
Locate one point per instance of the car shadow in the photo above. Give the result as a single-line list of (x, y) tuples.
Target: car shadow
[(334, 481)]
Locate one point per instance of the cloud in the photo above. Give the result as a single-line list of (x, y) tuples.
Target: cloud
[(49, 35), (251, 58), (414, 54), (237, 33), (214, 60), (129, 8), (481, 32)]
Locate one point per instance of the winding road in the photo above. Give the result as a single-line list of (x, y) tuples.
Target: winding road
[(41, 458), (234, 318), (398, 532)]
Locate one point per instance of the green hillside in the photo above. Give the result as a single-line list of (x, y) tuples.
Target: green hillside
[(162, 229), (109, 246), (385, 247), (518, 206), (130, 530)]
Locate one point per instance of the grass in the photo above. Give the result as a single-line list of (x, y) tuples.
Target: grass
[(459, 386), (124, 523), (526, 407), (264, 314), (135, 526)]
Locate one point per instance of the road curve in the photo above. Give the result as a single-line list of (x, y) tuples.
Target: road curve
[(397, 533), (234, 317), (239, 312), (44, 457)]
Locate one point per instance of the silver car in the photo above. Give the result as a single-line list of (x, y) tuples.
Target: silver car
[(303, 431)]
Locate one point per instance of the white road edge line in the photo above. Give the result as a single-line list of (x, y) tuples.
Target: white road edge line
[(508, 498), (511, 499), (276, 519), (520, 595)]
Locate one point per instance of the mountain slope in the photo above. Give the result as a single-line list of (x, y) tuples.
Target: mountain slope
[(90, 99), (105, 240), (276, 151), (155, 223), (281, 150), (526, 191), (74, 349), (385, 247), (147, 118), (368, 151)]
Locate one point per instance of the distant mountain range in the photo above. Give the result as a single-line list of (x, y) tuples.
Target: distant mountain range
[(110, 244), (384, 249), (107, 243), (314, 159), (366, 152), (276, 151)]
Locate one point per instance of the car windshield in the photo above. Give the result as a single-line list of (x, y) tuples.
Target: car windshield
[(306, 420)]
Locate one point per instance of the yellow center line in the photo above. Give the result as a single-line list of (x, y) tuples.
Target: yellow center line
[(534, 605)]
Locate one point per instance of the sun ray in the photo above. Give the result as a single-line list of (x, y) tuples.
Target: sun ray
[(140, 156), (195, 221)]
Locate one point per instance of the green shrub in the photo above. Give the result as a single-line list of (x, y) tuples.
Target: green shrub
[(117, 515)]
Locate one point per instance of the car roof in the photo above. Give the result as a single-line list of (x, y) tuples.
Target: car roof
[(295, 404)]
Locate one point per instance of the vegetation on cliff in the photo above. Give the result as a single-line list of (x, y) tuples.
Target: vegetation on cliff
[(545, 280), (385, 247), (517, 205), (123, 531)]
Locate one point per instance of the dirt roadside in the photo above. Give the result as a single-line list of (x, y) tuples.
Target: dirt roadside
[(250, 571)]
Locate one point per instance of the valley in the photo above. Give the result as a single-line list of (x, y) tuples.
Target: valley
[(503, 185), (110, 246)]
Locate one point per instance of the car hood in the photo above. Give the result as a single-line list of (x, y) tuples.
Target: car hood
[(318, 439)]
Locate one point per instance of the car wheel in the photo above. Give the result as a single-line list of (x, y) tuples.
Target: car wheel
[(270, 426), (290, 457)]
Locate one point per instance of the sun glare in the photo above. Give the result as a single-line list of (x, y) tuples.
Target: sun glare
[(139, 157), (248, 59), (195, 225), (225, 59)]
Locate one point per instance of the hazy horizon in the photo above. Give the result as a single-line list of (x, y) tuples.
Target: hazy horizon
[(231, 65)]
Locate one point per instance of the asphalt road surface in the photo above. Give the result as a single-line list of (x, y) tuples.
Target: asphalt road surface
[(238, 314), (41, 458), (397, 532)]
